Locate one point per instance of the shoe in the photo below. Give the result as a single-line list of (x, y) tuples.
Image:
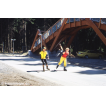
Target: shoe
[(65, 69), (57, 66), (47, 67), (43, 69)]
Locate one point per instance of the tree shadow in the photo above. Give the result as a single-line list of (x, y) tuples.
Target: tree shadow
[(92, 72), (32, 64), (91, 63), (40, 63), (27, 59), (96, 63)]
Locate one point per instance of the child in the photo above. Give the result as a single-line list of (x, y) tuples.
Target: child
[(64, 58), (60, 50), (44, 54)]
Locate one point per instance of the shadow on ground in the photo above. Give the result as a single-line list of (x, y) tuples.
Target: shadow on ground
[(91, 66), (92, 72), (91, 63), (27, 59), (40, 64), (36, 71), (45, 71)]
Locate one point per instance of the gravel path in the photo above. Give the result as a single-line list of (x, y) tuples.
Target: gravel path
[(10, 76)]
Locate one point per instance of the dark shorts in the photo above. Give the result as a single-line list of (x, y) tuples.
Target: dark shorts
[(44, 61)]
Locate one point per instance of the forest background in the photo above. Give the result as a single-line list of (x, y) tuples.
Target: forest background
[(24, 31)]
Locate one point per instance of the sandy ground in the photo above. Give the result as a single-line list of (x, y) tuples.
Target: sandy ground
[(10, 76)]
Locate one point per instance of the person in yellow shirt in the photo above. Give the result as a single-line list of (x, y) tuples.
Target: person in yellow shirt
[(44, 55)]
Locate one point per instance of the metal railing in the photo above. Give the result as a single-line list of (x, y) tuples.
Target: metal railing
[(76, 19), (50, 31), (103, 20)]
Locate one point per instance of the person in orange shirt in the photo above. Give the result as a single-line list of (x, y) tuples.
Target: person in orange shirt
[(64, 59)]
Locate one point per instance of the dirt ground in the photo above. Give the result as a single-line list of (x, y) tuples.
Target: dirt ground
[(10, 76), (15, 79)]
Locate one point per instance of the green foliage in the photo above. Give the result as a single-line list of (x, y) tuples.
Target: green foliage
[(88, 39), (15, 27)]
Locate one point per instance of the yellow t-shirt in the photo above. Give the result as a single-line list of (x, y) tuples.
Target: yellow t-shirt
[(43, 54)]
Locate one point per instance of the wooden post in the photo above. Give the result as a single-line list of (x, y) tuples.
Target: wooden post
[(77, 29), (99, 23), (69, 23), (74, 22), (95, 28), (52, 31), (71, 39), (60, 40), (35, 39), (59, 32), (44, 37), (80, 21), (56, 27)]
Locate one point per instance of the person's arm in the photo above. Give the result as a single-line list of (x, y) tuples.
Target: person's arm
[(61, 47), (40, 54), (63, 52), (47, 55)]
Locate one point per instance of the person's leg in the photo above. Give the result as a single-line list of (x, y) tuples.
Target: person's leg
[(43, 64), (46, 64), (61, 60), (65, 64)]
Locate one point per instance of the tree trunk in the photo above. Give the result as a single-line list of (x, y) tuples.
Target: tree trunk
[(11, 42), (25, 38), (1, 37), (44, 24), (8, 44), (5, 44), (8, 38)]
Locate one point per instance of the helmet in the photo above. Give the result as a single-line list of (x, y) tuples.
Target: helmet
[(44, 47)]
